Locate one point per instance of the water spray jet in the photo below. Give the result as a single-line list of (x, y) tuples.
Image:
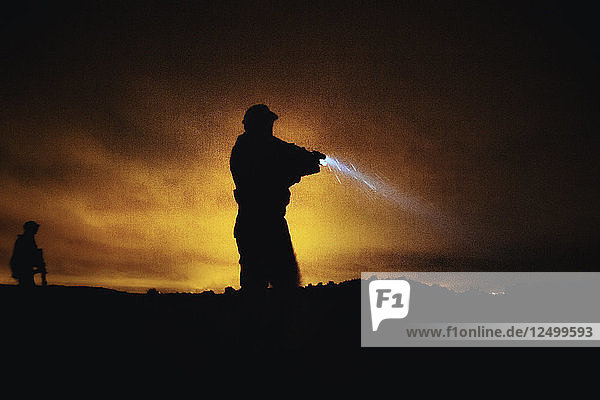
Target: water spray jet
[(376, 185)]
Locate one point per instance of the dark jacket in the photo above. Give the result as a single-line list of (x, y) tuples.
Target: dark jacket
[(263, 169), (25, 256)]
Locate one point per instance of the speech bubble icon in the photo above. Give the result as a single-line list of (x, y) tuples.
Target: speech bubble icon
[(389, 299)]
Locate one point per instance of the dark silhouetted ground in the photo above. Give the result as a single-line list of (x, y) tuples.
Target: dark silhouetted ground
[(98, 320)]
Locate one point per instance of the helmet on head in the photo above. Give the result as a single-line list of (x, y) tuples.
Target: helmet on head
[(259, 113), (30, 226)]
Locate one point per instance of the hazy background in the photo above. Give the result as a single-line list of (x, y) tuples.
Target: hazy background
[(117, 121)]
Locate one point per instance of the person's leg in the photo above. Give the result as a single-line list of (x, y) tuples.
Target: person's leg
[(252, 266), (26, 281), (285, 280), (285, 271), (253, 323)]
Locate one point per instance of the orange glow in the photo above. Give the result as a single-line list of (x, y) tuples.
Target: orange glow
[(117, 128), (137, 223)]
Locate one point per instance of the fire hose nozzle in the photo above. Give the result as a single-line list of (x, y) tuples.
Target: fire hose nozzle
[(319, 155)]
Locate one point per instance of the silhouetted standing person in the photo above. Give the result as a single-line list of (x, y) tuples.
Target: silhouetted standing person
[(27, 258), (263, 169)]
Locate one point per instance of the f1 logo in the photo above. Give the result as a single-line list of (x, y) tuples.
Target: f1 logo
[(389, 299)]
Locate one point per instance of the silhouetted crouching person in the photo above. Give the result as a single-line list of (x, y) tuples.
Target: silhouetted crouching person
[(27, 258), (263, 168)]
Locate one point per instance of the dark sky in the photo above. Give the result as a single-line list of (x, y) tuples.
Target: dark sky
[(117, 121)]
